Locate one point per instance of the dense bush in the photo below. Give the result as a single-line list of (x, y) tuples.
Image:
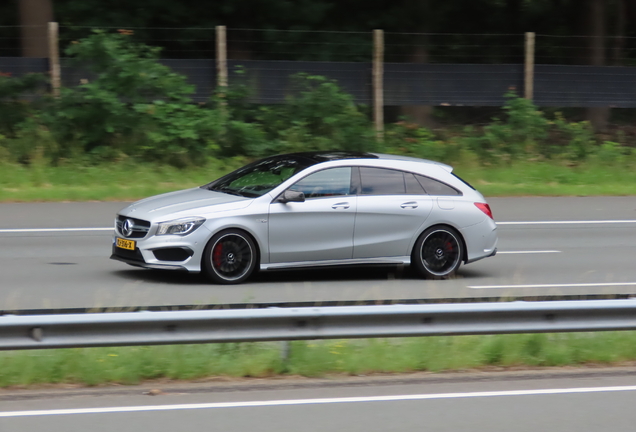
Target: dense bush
[(526, 132), (412, 140), (317, 115), (129, 105), (15, 110)]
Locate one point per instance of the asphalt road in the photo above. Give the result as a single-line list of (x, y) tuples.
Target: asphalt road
[(548, 246), (577, 401)]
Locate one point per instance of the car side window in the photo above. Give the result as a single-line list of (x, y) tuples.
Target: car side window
[(434, 187), (325, 183), (381, 181)]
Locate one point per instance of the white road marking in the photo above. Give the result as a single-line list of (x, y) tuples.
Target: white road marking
[(528, 252), (36, 230), (570, 285), (291, 402), (568, 222)]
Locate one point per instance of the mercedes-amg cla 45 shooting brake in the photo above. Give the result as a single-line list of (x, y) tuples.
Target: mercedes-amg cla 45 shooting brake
[(312, 209)]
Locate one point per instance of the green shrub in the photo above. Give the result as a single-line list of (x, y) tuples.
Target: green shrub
[(317, 115), (579, 137), (612, 153), (15, 111), (524, 132), (133, 105), (176, 133), (13, 108), (413, 140), (31, 141), (243, 138)]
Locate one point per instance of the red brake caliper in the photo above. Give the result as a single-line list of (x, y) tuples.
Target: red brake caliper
[(217, 254)]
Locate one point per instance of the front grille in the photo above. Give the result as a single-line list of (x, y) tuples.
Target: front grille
[(140, 227), (128, 254)]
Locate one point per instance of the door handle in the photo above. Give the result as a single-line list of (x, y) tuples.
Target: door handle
[(411, 204), (344, 205)]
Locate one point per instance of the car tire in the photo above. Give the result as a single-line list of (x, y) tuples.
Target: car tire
[(438, 253), (230, 257)]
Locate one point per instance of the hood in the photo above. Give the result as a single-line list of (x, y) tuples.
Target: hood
[(188, 202)]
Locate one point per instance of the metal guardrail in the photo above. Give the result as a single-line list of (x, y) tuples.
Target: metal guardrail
[(317, 303), (281, 324)]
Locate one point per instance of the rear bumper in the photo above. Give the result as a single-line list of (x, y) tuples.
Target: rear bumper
[(492, 254), (481, 240)]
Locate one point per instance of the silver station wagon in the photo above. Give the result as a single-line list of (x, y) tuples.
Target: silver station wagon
[(312, 209)]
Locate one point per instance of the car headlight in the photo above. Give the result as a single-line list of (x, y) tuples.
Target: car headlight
[(180, 226)]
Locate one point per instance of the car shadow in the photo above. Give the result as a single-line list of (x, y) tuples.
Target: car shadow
[(334, 274), (323, 274), (163, 276)]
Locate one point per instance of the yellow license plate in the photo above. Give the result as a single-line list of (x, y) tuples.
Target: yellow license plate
[(125, 244)]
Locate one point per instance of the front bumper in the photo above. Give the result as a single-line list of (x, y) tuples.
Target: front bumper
[(170, 252), (135, 258)]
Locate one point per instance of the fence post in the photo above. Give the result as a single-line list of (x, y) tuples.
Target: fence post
[(54, 59), (378, 78), (528, 86), (221, 59)]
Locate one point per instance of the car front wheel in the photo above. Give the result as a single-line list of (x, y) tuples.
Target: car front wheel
[(229, 257), (438, 253)]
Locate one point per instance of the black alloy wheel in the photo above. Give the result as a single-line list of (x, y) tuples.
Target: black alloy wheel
[(438, 253), (229, 257)]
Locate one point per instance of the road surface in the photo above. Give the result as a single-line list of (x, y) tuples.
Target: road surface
[(55, 255), (572, 401)]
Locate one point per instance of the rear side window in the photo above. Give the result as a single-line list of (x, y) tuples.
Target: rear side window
[(380, 181), (434, 187)]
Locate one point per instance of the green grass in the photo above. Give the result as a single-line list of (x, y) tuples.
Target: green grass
[(107, 182), (551, 179), (131, 365), (130, 181)]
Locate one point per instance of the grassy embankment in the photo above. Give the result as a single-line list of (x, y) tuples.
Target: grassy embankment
[(132, 365), (130, 181)]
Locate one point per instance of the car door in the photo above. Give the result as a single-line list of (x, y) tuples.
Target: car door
[(392, 208), (321, 227)]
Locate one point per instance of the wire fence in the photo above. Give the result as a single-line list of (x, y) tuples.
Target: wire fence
[(576, 50), (18, 40), (10, 41), (454, 48), (418, 68)]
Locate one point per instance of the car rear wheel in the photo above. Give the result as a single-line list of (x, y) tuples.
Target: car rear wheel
[(229, 257), (438, 253)]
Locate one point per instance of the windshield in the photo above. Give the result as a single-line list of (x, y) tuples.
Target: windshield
[(260, 177)]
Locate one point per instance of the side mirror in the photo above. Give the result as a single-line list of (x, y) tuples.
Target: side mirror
[(291, 196)]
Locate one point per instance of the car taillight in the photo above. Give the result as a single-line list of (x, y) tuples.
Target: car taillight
[(485, 208)]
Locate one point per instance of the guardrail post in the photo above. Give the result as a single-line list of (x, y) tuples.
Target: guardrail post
[(528, 86), (285, 352)]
